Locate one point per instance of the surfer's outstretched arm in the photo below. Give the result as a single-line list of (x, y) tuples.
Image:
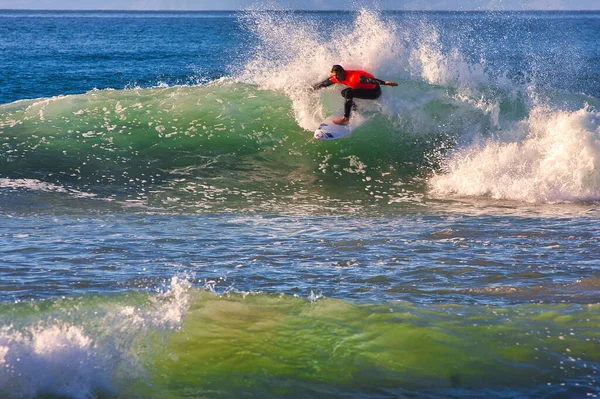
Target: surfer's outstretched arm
[(325, 83), (366, 79)]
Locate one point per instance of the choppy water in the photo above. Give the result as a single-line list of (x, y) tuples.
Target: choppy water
[(170, 229)]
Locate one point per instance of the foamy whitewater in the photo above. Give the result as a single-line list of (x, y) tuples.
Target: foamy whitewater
[(170, 229), (550, 157)]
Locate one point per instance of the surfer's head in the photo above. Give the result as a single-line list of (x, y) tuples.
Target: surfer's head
[(338, 72)]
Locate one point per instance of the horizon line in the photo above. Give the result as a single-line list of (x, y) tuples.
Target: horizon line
[(284, 10)]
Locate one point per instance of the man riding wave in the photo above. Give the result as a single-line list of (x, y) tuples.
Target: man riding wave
[(360, 84)]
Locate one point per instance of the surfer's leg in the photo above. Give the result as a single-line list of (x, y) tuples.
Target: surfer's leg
[(367, 94), (348, 94)]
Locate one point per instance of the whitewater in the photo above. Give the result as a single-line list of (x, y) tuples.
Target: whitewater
[(170, 229)]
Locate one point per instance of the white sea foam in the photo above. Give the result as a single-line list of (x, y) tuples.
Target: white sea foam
[(552, 156), (31, 184), (60, 359), (40, 186), (82, 351)]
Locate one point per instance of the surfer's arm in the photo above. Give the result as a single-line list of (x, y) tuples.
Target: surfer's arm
[(375, 81), (325, 83)]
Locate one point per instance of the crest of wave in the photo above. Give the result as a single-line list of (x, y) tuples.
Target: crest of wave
[(427, 60), (295, 51), (554, 157)]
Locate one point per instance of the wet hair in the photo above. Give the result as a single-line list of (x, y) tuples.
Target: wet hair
[(337, 68)]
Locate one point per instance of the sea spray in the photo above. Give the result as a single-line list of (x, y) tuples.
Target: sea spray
[(294, 52), (83, 347), (60, 359)]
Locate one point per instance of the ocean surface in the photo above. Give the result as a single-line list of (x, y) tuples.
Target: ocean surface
[(170, 229)]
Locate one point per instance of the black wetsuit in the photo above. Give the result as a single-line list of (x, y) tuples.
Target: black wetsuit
[(350, 94)]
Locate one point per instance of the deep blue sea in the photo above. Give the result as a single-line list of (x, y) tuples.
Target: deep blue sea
[(169, 228)]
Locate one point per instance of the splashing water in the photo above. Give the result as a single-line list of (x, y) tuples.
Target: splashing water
[(81, 347), (557, 160)]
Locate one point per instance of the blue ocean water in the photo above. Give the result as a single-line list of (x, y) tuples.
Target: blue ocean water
[(170, 229)]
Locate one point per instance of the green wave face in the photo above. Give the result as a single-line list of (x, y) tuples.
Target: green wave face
[(220, 146), (230, 146), (114, 137), (188, 342), (269, 345)]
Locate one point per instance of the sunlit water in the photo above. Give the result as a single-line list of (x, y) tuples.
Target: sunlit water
[(170, 229)]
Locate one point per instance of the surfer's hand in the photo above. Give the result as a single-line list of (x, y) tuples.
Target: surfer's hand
[(391, 84)]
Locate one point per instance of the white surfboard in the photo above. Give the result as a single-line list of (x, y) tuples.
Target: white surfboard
[(328, 130)]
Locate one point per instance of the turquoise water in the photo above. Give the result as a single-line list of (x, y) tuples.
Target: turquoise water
[(170, 229)]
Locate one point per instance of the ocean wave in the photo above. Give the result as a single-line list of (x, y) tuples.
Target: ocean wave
[(197, 145), (552, 135), (453, 128), (190, 339)]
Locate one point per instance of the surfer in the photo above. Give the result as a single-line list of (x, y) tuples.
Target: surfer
[(360, 84)]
